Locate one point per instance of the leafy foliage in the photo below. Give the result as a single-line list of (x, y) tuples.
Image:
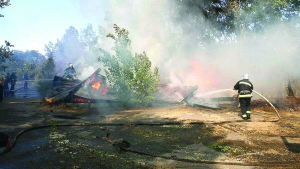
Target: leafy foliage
[(69, 47), (228, 17), (3, 4), (24, 61), (130, 76), (89, 40), (5, 53), (88, 37), (74, 47), (46, 71)]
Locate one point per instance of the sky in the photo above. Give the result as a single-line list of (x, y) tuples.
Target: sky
[(31, 24)]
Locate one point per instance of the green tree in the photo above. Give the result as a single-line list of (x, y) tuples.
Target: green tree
[(5, 53), (69, 48), (233, 16), (130, 76), (46, 70), (89, 41), (25, 61), (49, 65), (89, 38), (255, 16)]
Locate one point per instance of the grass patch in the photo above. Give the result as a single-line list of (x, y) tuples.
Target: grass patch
[(223, 148)]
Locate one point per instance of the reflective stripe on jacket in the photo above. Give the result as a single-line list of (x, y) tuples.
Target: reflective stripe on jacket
[(244, 88), (245, 95)]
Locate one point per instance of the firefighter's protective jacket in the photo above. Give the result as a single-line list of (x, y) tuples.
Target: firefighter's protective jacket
[(70, 70), (70, 73), (244, 88)]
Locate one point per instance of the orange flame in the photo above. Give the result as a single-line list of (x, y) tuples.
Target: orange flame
[(96, 85)]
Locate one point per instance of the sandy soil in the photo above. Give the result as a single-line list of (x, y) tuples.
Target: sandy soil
[(162, 136)]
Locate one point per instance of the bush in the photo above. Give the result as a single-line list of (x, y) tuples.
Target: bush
[(45, 71), (129, 76)]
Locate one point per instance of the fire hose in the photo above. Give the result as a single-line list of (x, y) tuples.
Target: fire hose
[(152, 124), (127, 149), (149, 154), (268, 102), (223, 90)]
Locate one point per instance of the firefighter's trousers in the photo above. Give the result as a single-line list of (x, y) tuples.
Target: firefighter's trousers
[(245, 104)]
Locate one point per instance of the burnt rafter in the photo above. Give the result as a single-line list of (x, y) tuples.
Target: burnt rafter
[(66, 88)]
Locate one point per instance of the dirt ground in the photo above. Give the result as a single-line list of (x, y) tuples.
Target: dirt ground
[(163, 136)]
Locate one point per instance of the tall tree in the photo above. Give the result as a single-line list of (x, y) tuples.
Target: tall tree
[(25, 61), (89, 40), (5, 51), (89, 37), (46, 70), (50, 49), (69, 48), (49, 65)]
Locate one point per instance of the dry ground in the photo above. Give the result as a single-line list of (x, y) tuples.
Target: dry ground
[(163, 136)]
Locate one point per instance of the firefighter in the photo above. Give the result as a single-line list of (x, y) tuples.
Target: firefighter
[(26, 78), (70, 73), (244, 88), (13, 80)]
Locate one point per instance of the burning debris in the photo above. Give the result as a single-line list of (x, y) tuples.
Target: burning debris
[(94, 89), (98, 83), (66, 89), (179, 94)]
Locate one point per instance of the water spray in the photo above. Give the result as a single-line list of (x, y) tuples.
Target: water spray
[(223, 90), (213, 92)]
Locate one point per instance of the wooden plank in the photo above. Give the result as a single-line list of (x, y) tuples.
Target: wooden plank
[(69, 88)]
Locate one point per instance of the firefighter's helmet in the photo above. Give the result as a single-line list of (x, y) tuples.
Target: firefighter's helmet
[(245, 76)]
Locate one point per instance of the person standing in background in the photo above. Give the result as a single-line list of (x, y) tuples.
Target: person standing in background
[(13, 80), (2, 82), (25, 77), (6, 87)]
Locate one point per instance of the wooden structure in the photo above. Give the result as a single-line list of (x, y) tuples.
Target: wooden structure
[(67, 88)]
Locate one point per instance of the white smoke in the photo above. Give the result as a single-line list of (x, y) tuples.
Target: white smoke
[(269, 58), (183, 58)]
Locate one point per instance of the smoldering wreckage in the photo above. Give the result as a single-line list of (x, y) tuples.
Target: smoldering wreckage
[(95, 89), (84, 91)]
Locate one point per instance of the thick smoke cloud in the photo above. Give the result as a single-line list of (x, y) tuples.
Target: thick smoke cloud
[(185, 58), (270, 58)]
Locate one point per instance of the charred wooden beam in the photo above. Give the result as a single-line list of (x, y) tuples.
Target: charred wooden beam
[(68, 89)]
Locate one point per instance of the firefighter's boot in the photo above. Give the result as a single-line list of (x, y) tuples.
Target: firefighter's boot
[(244, 117), (248, 114)]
